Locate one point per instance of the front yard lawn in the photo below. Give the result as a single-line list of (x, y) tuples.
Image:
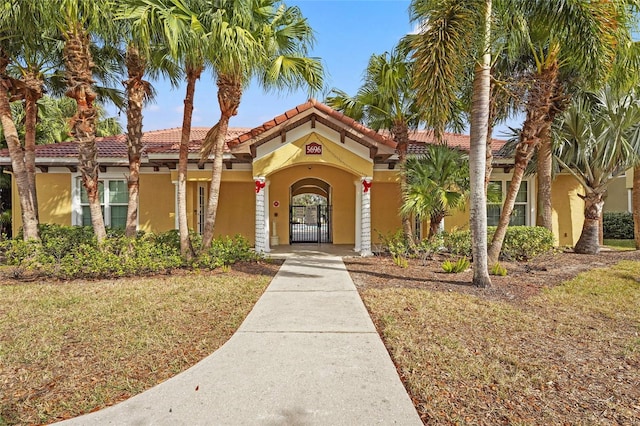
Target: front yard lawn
[(566, 354), (68, 348)]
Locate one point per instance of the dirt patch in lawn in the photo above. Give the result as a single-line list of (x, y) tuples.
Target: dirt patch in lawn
[(533, 349)]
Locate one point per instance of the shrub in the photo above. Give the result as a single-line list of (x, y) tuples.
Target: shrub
[(226, 251), (396, 244), (618, 225), (499, 270), (72, 252), (460, 265), (520, 242), (458, 243), (525, 242), (427, 247)]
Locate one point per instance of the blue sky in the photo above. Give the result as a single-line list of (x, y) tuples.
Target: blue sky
[(347, 34)]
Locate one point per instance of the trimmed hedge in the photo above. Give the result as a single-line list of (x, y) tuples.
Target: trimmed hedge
[(520, 242), (66, 252), (618, 225)]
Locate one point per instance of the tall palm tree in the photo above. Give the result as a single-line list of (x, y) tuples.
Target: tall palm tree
[(598, 140), (577, 40), (254, 38), (145, 41), (174, 23), (26, 86), (386, 101), (79, 21), (437, 182), (457, 36)]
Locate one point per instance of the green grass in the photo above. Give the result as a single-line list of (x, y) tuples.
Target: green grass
[(620, 244), (570, 355), (69, 348)]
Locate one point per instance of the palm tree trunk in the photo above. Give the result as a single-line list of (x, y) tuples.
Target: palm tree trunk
[(136, 89), (33, 93), (229, 95), (545, 155), (186, 249), (588, 243), (636, 206), (79, 64), (491, 121), (538, 109), (524, 152), (27, 203), (434, 223), (400, 132), (477, 157), (544, 166)]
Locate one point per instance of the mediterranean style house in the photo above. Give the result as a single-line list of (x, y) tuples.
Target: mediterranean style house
[(350, 169)]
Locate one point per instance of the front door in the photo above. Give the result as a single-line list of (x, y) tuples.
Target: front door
[(310, 224)]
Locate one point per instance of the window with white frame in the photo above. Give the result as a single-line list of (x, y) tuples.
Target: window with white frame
[(496, 192), (114, 199)]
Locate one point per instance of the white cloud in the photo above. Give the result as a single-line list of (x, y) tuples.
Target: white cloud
[(152, 107)]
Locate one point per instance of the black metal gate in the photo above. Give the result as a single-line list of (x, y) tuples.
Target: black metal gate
[(310, 224)]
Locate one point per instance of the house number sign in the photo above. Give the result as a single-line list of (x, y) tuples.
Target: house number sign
[(313, 148)]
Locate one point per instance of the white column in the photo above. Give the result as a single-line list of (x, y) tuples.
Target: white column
[(260, 245), (365, 243), (267, 221), (358, 214), (175, 204)]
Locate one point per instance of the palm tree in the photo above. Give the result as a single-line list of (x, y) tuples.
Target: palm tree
[(53, 120), (456, 35), (145, 38), (255, 38), (79, 21), (598, 140), (386, 101), (437, 182), (175, 25), (567, 42), (26, 86)]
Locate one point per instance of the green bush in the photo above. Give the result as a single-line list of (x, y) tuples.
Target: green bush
[(226, 251), (458, 266), (67, 252), (618, 225), (520, 242), (525, 242), (396, 244), (458, 243)]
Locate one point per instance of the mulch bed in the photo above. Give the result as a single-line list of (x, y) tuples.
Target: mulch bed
[(524, 279)]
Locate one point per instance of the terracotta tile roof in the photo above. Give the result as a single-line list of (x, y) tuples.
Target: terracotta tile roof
[(325, 109), (421, 138), (154, 141), (167, 141)]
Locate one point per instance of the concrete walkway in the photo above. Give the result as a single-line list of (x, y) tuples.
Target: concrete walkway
[(307, 354)]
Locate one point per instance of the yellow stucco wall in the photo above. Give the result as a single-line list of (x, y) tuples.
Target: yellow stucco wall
[(237, 210), (568, 210), (157, 203), (342, 199), (385, 204), (617, 196), (294, 154), (54, 200)]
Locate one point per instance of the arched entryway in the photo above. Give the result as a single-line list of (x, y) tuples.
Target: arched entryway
[(310, 212)]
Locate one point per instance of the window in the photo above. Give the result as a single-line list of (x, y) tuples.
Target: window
[(496, 193), (114, 198)]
